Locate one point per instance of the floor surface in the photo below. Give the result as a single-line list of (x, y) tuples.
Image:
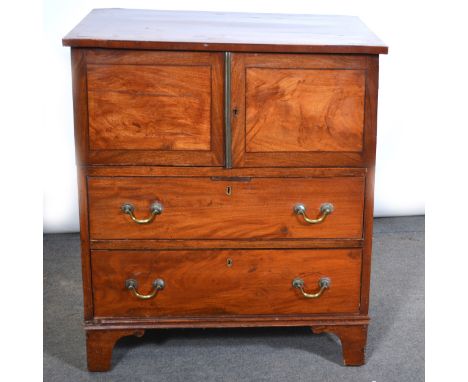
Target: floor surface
[(395, 347)]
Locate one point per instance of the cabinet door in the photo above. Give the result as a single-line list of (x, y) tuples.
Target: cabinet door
[(301, 110), (161, 108)]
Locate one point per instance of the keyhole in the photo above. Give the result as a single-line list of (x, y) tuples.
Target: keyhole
[(228, 190), (235, 111), (229, 262)]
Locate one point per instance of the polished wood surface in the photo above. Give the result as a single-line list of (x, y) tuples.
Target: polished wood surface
[(221, 31), (299, 110), (202, 282), (225, 173), (304, 110), (200, 208), (223, 243), (371, 142), (148, 108), (228, 321), (158, 107)]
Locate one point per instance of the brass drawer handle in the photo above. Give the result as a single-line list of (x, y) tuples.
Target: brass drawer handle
[(155, 209), (132, 285), (324, 283), (325, 210)]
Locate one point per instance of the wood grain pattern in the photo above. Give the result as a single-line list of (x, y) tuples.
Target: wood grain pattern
[(299, 110), (261, 172), (80, 104), (258, 282), (304, 110), (153, 108), (221, 31), (371, 122), (223, 243), (199, 208), (138, 107), (86, 272), (100, 343)]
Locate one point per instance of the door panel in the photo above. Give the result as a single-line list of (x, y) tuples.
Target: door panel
[(298, 110), (155, 108)]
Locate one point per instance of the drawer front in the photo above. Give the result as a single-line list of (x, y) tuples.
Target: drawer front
[(211, 208), (155, 107), (298, 110), (228, 282)]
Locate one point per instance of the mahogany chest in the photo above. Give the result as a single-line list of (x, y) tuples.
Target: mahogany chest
[(226, 172)]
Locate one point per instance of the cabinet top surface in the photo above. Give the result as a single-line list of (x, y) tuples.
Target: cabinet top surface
[(221, 31)]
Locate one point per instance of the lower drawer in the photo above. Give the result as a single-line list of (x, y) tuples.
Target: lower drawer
[(225, 282)]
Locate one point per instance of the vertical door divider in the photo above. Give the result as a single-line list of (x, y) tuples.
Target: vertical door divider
[(227, 110)]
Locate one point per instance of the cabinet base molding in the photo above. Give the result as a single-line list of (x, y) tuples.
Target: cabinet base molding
[(102, 336), (353, 341)]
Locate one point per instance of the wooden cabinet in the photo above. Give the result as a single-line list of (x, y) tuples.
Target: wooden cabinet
[(226, 170)]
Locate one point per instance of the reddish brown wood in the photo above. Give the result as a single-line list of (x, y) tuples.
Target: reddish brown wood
[(299, 110), (353, 341), (303, 110), (220, 321), (220, 31), (238, 243), (198, 208), (80, 104), (262, 172), (150, 107), (100, 343), (202, 283), (136, 117), (85, 245), (371, 142)]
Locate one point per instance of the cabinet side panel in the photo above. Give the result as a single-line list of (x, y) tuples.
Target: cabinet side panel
[(80, 103), (85, 248), (80, 108), (370, 141)]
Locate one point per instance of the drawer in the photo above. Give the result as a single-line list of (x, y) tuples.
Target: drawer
[(218, 282), (225, 208), (155, 107), (299, 110)]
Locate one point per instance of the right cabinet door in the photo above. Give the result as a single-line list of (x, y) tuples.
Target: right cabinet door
[(301, 110)]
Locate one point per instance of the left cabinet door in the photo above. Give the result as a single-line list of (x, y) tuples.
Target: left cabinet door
[(148, 107)]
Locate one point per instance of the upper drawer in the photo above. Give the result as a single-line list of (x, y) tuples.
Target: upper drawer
[(204, 208), (154, 108), (300, 110)]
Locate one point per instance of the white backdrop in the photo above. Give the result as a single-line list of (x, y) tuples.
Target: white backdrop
[(403, 118)]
